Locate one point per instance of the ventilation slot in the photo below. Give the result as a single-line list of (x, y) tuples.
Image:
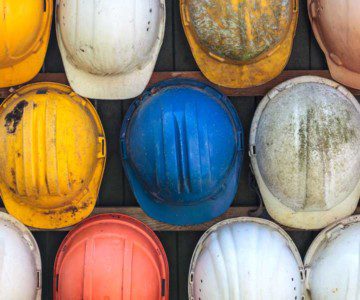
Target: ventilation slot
[(57, 282), (295, 8), (103, 147), (41, 92), (38, 283), (252, 150), (163, 282)]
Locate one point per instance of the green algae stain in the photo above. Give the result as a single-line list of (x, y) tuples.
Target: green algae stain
[(240, 34), (323, 133)]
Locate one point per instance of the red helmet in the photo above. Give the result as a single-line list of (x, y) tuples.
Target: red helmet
[(111, 256)]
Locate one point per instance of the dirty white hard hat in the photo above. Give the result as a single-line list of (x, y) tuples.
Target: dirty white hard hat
[(20, 262), (109, 48), (332, 262), (304, 148)]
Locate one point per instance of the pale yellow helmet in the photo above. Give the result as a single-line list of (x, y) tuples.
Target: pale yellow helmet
[(239, 43), (53, 155), (24, 36)]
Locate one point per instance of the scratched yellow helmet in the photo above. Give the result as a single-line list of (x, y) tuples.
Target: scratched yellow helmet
[(52, 155), (24, 36), (239, 43)]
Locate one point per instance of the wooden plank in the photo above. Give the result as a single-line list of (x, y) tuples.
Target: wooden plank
[(160, 76), (138, 213)]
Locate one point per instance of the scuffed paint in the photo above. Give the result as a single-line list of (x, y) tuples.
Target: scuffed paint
[(53, 155), (240, 30)]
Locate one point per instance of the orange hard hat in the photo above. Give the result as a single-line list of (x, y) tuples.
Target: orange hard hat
[(111, 256)]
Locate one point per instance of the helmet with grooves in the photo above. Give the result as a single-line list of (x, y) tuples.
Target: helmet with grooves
[(304, 144), (335, 251), (240, 43), (20, 261), (24, 36), (109, 48), (245, 258), (182, 151), (111, 256), (338, 37), (53, 155)]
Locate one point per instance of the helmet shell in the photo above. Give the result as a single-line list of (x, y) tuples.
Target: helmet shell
[(110, 55), (304, 144), (25, 30), (229, 262), (20, 261), (111, 256), (182, 151), (338, 37), (335, 251), (54, 155), (240, 44)]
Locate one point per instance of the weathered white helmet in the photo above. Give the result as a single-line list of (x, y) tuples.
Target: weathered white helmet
[(20, 262), (246, 258), (332, 263), (304, 148), (109, 48)]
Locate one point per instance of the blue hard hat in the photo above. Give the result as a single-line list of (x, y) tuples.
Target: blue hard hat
[(182, 151)]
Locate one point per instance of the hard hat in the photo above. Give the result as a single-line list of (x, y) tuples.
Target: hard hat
[(109, 48), (182, 150), (336, 28), (24, 36), (111, 256), (246, 258), (332, 262), (52, 157), (304, 148), (20, 266), (239, 44)]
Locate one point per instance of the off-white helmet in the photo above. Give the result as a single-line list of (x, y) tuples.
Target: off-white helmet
[(304, 148), (246, 258), (20, 262), (332, 262), (109, 48)]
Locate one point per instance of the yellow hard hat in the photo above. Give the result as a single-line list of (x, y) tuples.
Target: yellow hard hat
[(239, 43), (24, 36), (52, 155)]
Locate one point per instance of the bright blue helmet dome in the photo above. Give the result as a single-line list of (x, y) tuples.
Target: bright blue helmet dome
[(182, 149)]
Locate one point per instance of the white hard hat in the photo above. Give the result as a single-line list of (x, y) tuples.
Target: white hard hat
[(332, 263), (20, 262), (246, 258), (109, 48), (304, 148)]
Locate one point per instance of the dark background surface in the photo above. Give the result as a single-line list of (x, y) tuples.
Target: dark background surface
[(115, 191)]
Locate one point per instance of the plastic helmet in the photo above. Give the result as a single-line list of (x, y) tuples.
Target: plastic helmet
[(246, 258), (111, 256), (109, 48), (332, 262), (237, 43), (24, 36), (182, 150), (304, 148), (20, 266), (336, 28), (53, 155)]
